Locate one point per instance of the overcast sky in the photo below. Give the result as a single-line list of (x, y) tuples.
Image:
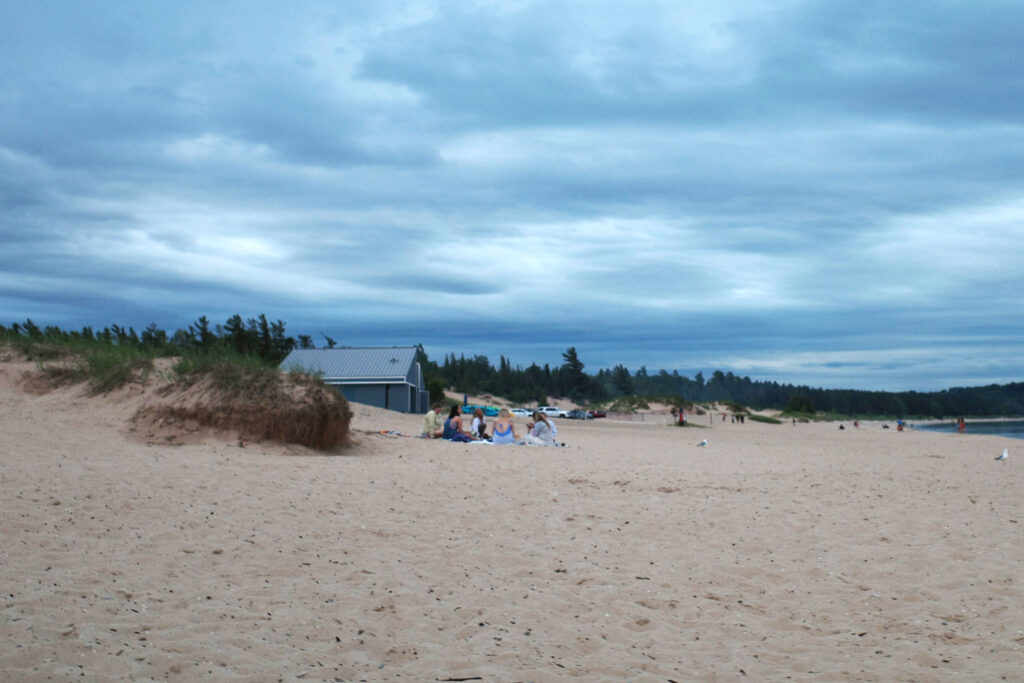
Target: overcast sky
[(829, 193)]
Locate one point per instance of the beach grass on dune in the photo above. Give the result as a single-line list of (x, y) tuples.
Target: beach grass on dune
[(225, 390)]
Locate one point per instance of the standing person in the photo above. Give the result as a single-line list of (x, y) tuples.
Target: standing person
[(504, 429), (540, 431), (478, 429), (433, 426)]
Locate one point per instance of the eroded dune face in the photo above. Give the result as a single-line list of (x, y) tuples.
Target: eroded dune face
[(297, 412)]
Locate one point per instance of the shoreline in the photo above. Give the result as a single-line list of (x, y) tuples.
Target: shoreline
[(987, 427)]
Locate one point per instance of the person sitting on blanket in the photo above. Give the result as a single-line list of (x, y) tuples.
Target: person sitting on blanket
[(453, 426), (478, 428), (433, 427), (504, 430), (540, 432)]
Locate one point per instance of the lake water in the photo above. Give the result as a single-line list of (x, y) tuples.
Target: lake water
[(1013, 429)]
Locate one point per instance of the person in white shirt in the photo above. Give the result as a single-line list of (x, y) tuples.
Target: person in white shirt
[(478, 428), (540, 431)]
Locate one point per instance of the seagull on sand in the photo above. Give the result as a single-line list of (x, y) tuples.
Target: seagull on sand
[(1005, 455), (703, 443)]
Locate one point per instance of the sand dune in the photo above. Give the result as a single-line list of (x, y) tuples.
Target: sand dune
[(776, 552)]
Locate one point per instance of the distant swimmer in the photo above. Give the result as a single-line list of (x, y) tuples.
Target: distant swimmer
[(1005, 455)]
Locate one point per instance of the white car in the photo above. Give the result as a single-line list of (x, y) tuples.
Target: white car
[(552, 412), (520, 412)]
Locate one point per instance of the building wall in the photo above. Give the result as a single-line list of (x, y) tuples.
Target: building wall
[(398, 397), (370, 394)]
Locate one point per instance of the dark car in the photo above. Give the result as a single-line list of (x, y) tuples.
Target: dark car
[(579, 415), (598, 413)]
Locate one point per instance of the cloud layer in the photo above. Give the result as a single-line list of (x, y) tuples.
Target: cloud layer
[(822, 193)]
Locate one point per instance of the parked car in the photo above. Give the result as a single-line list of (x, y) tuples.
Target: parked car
[(598, 413), (521, 412), (552, 412), (579, 415)]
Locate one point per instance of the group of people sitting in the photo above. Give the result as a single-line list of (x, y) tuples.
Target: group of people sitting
[(541, 432)]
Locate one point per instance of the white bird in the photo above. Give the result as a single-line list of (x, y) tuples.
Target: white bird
[(703, 443), (1005, 455)]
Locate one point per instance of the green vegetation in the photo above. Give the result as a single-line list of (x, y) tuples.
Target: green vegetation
[(535, 384), (799, 404), (234, 353), (235, 366), (103, 364), (633, 403), (628, 404), (735, 408), (261, 341), (109, 368), (435, 386), (233, 373)]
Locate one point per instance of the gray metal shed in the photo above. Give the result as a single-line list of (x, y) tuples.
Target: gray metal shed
[(383, 376)]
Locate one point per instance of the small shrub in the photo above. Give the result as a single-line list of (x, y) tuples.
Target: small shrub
[(298, 374), (111, 367), (799, 403), (231, 374), (736, 408), (42, 351), (628, 404), (63, 374)]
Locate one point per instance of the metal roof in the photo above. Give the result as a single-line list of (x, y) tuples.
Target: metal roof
[(393, 363)]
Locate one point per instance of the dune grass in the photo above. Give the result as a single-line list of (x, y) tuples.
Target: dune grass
[(105, 367), (236, 392)]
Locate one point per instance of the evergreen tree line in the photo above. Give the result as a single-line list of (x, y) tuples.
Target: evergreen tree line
[(536, 384), (267, 341), (533, 384), (994, 400), (255, 338)]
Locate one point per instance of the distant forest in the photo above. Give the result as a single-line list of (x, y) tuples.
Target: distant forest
[(536, 384), (264, 340)]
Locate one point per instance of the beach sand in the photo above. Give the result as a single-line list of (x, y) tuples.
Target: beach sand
[(776, 552)]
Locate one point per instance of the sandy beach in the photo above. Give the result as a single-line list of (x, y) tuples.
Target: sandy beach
[(776, 552)]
